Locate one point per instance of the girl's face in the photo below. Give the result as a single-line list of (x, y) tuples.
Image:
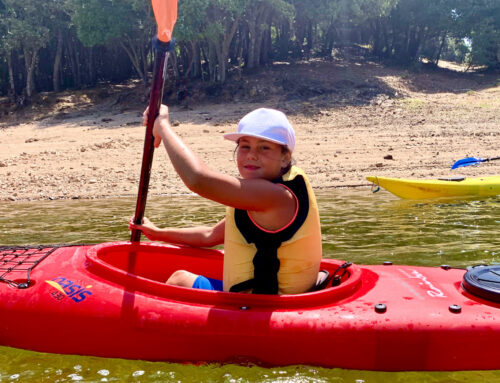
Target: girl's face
[(259, 158)]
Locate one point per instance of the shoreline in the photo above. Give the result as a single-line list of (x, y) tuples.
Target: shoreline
[(409, 127)]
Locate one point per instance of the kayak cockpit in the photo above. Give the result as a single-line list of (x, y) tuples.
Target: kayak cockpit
[(144, 267)]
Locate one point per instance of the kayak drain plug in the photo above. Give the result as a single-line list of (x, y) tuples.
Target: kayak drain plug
[(456, 309), (380, 308)]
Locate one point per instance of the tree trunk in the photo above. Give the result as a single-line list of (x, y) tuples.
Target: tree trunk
[(266, 46), (204, 62), (211, 59), (71, 57), (188, 59), (415, 42), (251, 45), (30, 59), (441, 46), (72, 51), (258, 46), (378, 46), (284, 39), (172, 57), (57, 62), (300, 33), (12, 85), (91, 66), (254, 19), (196, 64), (144, 61), (260, 42), (221, 49), (134, 57), (221, 67), (310, 39)]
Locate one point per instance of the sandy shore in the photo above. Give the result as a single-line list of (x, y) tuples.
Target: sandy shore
[(88, 150)]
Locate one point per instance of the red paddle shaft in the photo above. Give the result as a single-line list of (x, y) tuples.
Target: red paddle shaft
[(155, 100)]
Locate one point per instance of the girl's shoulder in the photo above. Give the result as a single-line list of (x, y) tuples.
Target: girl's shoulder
[(294, 172)]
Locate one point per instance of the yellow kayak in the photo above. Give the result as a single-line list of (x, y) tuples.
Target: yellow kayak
[(445, 187)]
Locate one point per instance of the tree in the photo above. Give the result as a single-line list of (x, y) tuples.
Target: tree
[(25, 25), (479, 23), (312, 19), (259, 16), (188, 33), (100, 22), (223, 18), (59, 21)]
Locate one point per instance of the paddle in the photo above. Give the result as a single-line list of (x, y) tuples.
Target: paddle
[(472, 161), (165, 12)]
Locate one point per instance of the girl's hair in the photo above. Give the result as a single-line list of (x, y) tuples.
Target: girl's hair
[(284, 150)]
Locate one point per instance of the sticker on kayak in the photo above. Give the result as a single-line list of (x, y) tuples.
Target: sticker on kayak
[(65, 288), (431, 290)]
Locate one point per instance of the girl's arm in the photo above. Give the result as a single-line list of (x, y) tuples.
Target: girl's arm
[(201, 236), (248, 194)]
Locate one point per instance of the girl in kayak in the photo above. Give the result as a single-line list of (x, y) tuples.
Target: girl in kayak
[(271, 232)]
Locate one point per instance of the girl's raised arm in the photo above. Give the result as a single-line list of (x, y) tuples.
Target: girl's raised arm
[(247, 194)]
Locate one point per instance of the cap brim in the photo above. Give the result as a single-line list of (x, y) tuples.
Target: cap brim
[(236, 136)]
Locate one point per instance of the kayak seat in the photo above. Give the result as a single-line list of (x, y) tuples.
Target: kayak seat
[(322, 281), (453, 179), (324, 278)]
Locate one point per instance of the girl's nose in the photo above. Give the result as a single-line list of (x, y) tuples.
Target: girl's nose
[(253, 153)]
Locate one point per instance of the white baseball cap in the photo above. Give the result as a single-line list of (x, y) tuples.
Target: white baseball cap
[(268, 124)]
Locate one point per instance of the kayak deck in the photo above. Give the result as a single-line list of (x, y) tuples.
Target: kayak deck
[(453, 187)]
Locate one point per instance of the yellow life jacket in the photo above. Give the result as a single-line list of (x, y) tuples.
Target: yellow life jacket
[(285, 261)]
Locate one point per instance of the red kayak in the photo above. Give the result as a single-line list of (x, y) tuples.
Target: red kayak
[(110, 300)]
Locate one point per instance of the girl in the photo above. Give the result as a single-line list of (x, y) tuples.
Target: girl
[(271, 232)]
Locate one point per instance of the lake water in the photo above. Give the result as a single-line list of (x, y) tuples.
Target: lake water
[(357, 225)]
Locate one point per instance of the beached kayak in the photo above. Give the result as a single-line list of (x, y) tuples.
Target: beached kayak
[(450, 187), (110, 300)]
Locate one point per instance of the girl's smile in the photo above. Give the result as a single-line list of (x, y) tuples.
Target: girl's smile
[(251, 167)]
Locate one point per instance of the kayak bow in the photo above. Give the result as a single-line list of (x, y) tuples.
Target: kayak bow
[(447, 187)]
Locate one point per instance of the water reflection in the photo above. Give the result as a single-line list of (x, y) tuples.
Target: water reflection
[(374, 228), (26, 366)]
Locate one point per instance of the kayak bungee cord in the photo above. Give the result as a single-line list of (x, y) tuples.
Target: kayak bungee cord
[(19, 261), (376, 183)]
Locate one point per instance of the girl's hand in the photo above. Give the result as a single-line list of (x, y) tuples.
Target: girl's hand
[(162, 116), (147, 227)]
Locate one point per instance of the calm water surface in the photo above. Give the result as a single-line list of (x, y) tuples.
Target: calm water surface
[(357, 225)]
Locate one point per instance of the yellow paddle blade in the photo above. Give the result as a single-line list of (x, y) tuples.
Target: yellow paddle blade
[(166, 15)]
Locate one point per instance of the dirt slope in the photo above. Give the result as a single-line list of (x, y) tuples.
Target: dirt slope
[(352, 118)]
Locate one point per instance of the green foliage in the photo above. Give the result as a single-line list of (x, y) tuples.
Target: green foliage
[(191, 20), (24, 25), (456, 50), (101, 21), (217, 36), (485, 46), (368, 9), (478, 23)]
